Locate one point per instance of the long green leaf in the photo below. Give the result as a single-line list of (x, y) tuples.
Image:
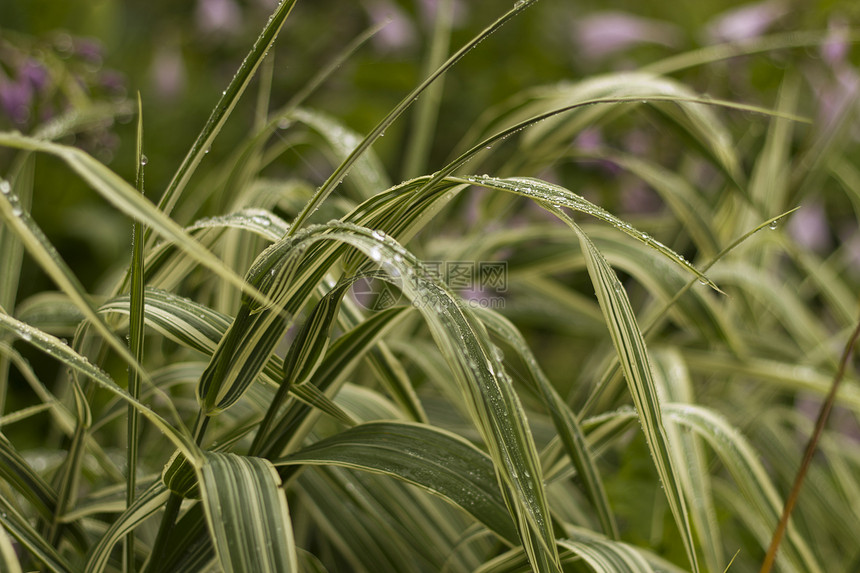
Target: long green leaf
[(228, 100), (247, 514), (19, 527), (431, 458), (145, 505), (563, 418), (57, 349), (127, 199), (750, 478), (343, 169), (635, 363), (7, 554)]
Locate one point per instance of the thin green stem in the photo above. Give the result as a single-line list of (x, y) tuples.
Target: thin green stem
[(174, 503), (135, 342)]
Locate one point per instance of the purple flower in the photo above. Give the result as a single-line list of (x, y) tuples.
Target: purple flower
[(398, 33), (112, 81), (809, 227), (747, 22), (168, 71), (604, 33), (835, 46), (35, 74), (589, 139), (16, 99), (88, 50), (213, 16)]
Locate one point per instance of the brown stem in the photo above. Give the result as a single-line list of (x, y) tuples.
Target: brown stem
[(807, 456)]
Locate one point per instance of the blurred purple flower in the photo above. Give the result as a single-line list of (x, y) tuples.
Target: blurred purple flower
[(836, 94), (88, 50), (167, 71), (637, 197), (428, 13), (589, 139), (746, 22), (16, 97), (604, 33), (835, 46), (398, 33), (35, 74), (809, 227), (222, 16), (113, 81)]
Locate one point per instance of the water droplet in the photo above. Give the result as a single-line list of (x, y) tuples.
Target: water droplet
[(265, 222), (283, 123), (26, 336), (377, 234), (703, 282), (16, 210), (144, 160), (206, 151), (375, 254), (5, 188), (773, 225)]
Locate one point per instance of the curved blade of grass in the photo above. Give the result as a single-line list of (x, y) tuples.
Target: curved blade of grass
[(199, 327), (341, 357), (367, 172), (127, 199), (658, 316), (674, 384), (180, 319), (247, 514), (609, 556), (436, 460), (60, 351), (305, 355), (145, 505), (343, 169), (229, 98), (488, 389), (679, 195), (19, 527), (750, 478), (635, 363), (33, 488), (563, 418), (8, 559), (556, 195)]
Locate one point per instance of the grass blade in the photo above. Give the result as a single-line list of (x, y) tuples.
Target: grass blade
[(135, 340), (438, 461), (229, 98), (247, 514), (635, 363), (343, 169)]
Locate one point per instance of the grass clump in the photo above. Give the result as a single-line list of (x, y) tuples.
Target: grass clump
[(593, 338)]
